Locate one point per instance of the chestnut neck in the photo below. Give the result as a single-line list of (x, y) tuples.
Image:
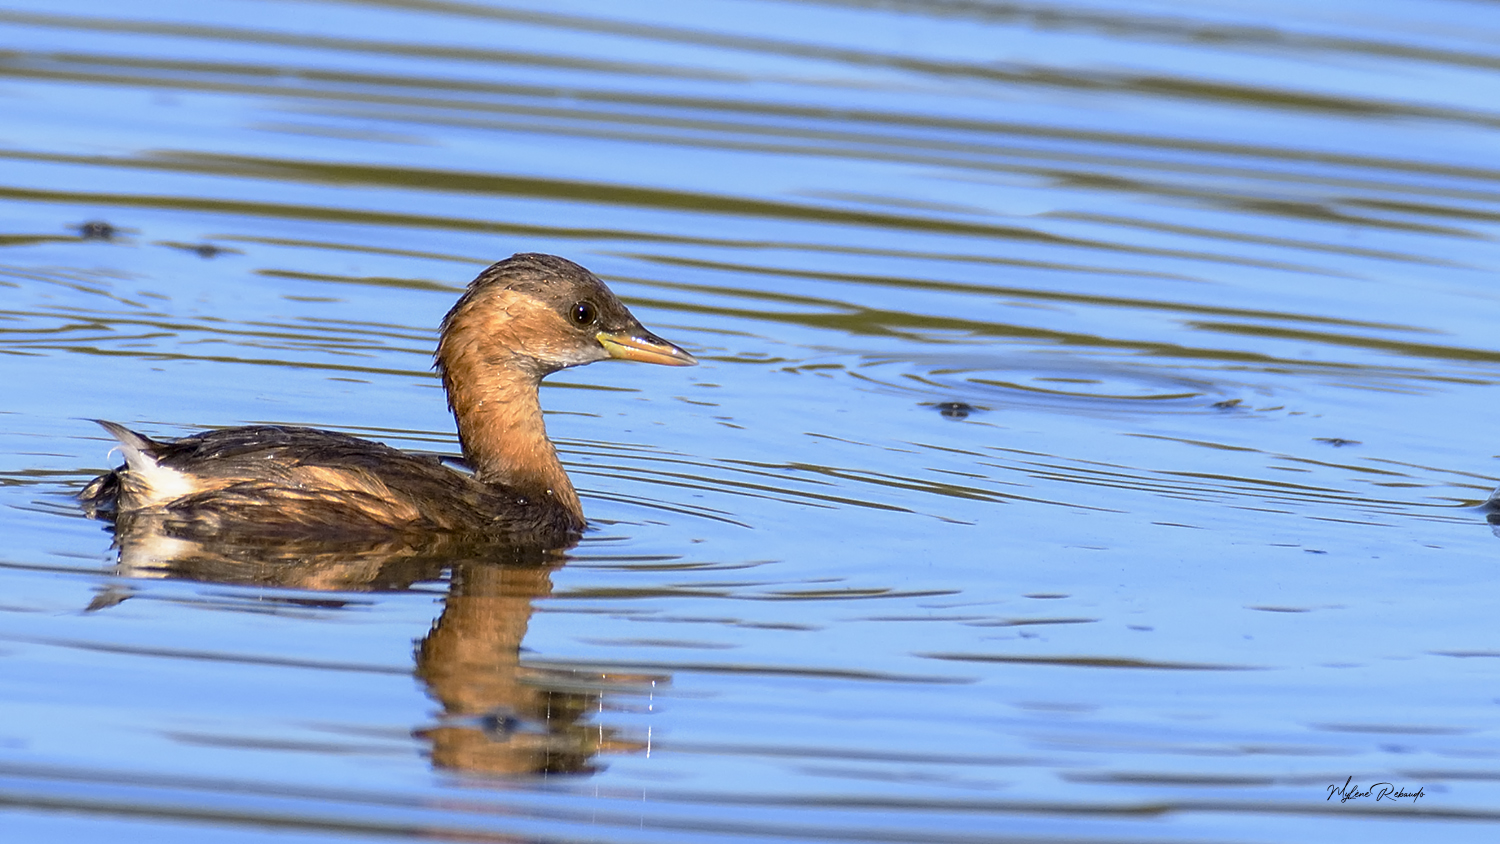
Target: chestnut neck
[(500, 426)]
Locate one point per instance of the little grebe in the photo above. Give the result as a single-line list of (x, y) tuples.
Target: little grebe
[(519, 321)]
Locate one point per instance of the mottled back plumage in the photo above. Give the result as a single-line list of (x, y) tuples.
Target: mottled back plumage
[(264, 481)]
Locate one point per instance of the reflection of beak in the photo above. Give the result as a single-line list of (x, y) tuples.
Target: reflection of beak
[(645, 347)]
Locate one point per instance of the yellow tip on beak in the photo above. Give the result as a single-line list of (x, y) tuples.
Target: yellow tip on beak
[(645, 347)]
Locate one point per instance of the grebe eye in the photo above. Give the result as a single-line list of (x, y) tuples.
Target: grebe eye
[(584, 313)]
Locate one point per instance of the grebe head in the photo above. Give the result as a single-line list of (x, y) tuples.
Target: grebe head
[(534, 314)]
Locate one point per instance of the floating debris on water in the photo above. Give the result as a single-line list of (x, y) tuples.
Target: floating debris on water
[(955, 409), (97, 230)]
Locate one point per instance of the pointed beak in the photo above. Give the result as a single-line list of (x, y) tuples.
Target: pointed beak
[(641, 345)]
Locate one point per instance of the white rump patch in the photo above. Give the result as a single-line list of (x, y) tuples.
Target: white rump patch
[(148, 483)]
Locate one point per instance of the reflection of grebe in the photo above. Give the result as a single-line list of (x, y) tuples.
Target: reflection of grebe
[(519, 321)]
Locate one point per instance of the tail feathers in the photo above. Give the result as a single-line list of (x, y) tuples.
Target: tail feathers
[(140, 450), (142, 481)]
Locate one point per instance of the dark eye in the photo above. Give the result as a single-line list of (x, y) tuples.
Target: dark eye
[(584, 314)]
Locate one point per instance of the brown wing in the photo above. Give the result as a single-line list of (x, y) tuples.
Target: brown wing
[(266, 481)]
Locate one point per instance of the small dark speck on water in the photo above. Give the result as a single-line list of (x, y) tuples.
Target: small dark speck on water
[(202, 250), (1336, 442), (97, 230), (1227, 404), (955, 409)]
